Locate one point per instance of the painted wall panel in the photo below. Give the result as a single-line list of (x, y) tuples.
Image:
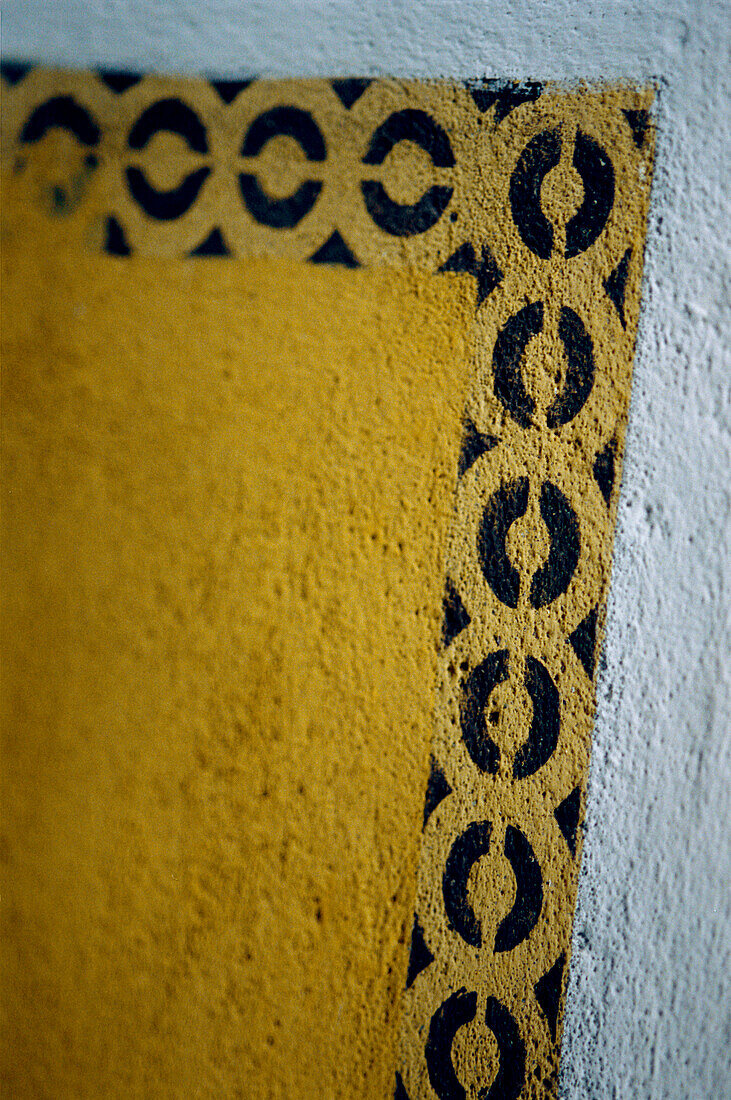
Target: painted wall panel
[(652, 920)]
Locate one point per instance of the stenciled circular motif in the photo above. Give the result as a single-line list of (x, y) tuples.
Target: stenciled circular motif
[(542, 738), (284, 121), (176, 117), (458, 1010), (469, 847), (538, 158), (408, 220), (507, 359), (508, 503)]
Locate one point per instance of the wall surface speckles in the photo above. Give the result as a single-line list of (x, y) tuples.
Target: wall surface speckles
[(647, 987), (505, 193)]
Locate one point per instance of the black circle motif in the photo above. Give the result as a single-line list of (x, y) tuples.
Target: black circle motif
[(469, 847), (459, 1009), (545, 725), (408, 220), (540, 155), (508, 503), (290, 122), (176, 117), (507, 359)]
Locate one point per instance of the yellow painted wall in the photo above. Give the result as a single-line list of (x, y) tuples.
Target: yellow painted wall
[(233, 488)]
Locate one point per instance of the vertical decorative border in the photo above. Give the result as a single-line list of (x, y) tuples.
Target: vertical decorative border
[(528, 569), (540, 195)]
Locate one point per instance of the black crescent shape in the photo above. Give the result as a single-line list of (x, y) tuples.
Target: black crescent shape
[(285, 122), (278, 213), (597, 175), (545, 724), (526, 910), (458, 1009), (64, 113), (403, 220), (411, 125), (506, 504), (511, 1074), (470, 846), (170, 115), (541, 154), (476, 691), (580, 373), (165, 205), (554, 576), (507, 357)]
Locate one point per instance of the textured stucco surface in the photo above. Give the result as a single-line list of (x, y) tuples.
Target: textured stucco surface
[(648, 999), (221, 599)]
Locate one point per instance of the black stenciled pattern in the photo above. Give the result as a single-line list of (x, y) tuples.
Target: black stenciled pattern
[(13, 72), (417, 126), (473, 843), (174, 116), (61, 112), (540, 156), (534, 231), (545, 723), (523, 917), (419, 956), (395, 218), (507, 504), (290, 122), (510, 349), (458, 1011), (503, 95), (485, 270)]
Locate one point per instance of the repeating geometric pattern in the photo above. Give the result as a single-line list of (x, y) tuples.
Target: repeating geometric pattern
[(527, 576), (540, 196)]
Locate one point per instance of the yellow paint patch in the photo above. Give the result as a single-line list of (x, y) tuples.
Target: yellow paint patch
[(229, 509), (222, 547)]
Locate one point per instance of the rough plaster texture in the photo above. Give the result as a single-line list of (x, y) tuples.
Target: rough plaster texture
[(222, 575), (299, 762), (648, 999)]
